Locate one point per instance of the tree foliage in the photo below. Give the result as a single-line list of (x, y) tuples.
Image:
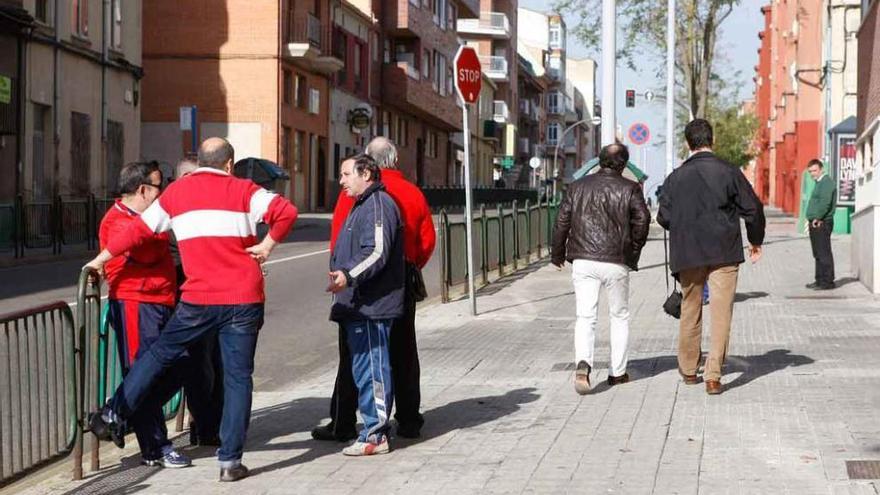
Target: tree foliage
[(734, 134), (643, 25)]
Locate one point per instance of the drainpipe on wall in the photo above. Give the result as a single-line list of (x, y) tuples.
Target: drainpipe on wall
[(20, 114), (56, 103), (105, 17), (828, 82)]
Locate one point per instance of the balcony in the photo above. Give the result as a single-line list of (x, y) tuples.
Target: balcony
[(494, 67), (500, 112), (493, 25), (407, 91), (308, 44)]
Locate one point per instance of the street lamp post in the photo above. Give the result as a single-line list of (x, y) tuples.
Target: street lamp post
[(558, 142), (670, 85)]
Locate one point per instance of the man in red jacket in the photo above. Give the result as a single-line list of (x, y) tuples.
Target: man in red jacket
[(142, 284), (419, 238), (214, 217)]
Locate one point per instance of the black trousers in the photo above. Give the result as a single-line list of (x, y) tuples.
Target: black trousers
[(405, 373), (820, 241), (203, 386)]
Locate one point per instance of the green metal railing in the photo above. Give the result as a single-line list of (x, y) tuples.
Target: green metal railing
[(505, 240)]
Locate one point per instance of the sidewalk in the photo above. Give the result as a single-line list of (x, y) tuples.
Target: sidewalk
[(800, 399)]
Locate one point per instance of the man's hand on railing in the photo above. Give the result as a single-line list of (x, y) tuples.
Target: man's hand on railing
[(97, 264)]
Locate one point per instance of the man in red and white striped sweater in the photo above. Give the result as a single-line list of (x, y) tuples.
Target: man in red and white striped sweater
[(213, 216)]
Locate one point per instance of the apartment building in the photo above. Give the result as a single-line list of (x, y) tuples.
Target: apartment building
[(258, 75), (69, 94), (532, 123), (494, 36), (866, 216)]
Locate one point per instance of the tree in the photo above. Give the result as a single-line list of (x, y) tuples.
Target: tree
[(644, 32), (734, 134)]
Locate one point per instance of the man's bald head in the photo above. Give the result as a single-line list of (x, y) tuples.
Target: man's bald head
[(217, 153), (383, 151), (185, 167)]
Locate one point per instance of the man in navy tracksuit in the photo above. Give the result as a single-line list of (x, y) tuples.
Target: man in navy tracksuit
[(367, 282)]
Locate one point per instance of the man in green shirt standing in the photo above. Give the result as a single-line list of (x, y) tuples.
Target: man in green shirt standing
[(820, 218)]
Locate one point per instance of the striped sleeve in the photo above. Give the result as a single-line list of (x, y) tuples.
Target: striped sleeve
[(259, 204), (157, 219)]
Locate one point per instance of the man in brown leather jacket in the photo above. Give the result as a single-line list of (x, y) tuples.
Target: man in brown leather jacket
[(601, 228)]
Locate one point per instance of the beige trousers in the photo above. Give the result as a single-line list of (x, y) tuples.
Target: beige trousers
[(722, 290)]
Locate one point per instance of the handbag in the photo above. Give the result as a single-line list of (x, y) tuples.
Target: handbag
[(415, 283), (672, 304)]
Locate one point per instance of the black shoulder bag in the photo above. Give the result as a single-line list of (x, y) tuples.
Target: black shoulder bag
[(672, 305)]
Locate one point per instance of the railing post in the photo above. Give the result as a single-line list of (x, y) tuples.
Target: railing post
[(484, 245), (515, 234), (528, 232), (502, 258), (549, 226), (444, 256)]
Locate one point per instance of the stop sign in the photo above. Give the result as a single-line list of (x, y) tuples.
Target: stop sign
[(468, 74)]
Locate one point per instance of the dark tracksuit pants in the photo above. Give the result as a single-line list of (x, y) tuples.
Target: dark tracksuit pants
[(820, 241), (405, 371)]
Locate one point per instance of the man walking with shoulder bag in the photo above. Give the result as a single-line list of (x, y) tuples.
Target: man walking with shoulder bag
[(701, 206)]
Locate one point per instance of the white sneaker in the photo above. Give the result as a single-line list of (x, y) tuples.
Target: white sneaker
[(359, 448)]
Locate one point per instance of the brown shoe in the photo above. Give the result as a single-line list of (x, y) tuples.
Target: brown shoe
[(689, 379), (582, 378), (713, 387), (617, 380)]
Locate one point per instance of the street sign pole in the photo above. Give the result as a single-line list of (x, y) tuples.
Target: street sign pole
[(609, 70), (468, 80), (468, 209), (670, 85)]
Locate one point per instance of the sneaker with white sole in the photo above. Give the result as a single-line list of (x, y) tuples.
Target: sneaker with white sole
[(367, 448), (172, 459), (582, 378)]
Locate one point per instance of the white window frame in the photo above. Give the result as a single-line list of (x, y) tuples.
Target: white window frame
[(116, 21)]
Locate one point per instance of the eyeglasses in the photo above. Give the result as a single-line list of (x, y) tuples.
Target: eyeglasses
[(157, 186)]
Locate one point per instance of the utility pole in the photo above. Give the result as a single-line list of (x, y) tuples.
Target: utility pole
[(609, 70), (670, 86)]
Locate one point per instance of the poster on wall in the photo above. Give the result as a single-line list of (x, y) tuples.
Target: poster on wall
[(845, 169)]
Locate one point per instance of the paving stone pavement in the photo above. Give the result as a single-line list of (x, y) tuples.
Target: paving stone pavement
[(800, 399)]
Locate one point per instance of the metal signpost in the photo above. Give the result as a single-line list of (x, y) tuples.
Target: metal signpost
[(468, 80)]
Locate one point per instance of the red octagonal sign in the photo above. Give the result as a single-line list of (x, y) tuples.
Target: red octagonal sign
[(468, 74)]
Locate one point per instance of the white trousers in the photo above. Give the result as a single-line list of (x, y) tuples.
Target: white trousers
[(588, 277)]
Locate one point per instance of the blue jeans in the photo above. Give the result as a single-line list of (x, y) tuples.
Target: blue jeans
[(237, 327), (368, 344), (137, 326)]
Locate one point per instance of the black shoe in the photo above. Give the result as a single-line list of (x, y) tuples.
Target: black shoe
[(329, 433), (830, 286), (112, 432), (409, 430), (618, 380), (812, 285), (234, 473)]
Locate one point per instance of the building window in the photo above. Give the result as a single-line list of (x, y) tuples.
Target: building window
[(555, 35), (300, 92), (41, 11), (287, 89), (115, 154), (426, 63), (386, 51), (116, 24), (374, 46), (80, 18), (451, 16), (553, 102), (439, 11), (386, 124), (402, 131), (357, 65), (552, 133), (296, 151), (340, 51), (440, 73), (80, 153), (286, 137), (431, 148)]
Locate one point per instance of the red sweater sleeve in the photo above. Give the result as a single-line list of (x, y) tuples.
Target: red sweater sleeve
[(136, 234), (343, 207), (280, 216), (427, 237)]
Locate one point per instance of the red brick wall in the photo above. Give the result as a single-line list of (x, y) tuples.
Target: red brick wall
[(868, 101)]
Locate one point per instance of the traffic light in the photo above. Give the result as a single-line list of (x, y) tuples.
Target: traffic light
[(630, 98)]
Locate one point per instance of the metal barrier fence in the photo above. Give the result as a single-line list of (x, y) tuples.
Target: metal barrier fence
[(54, 372), (50, 224), (39, 417), (504, 241), (453, 197)]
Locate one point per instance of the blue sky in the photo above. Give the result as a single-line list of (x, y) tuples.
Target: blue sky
[(738, 40)]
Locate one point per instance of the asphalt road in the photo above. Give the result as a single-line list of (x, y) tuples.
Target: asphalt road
[(297, 338)]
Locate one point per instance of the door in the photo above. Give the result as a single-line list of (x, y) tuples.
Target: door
[(80, 154), (420, 162)]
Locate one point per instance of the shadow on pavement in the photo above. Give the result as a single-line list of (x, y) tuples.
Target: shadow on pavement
[(745, 296), (750, 367), (468, 413), (266, 424)]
